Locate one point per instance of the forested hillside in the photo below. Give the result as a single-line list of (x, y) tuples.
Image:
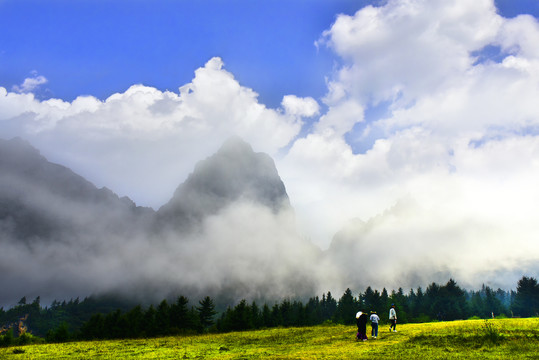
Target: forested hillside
[(94, 318)]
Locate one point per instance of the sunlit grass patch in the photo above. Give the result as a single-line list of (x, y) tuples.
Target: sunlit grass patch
[(469, 339)]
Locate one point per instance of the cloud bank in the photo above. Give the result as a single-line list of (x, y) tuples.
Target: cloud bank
[(442, 98), (151, 137)]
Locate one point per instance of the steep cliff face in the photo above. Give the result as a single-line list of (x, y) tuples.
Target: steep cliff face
[(234, 173)]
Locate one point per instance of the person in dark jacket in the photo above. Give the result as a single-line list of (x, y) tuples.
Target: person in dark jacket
[(361, 320)]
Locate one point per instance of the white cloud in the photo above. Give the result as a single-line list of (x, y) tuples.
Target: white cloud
[(459, 141), (30, 84), (406, 48), (294, 105), (143, 142), (340, 118), (520, 35)]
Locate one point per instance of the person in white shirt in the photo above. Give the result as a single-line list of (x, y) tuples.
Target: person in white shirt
[(393, 318), (374, 324)]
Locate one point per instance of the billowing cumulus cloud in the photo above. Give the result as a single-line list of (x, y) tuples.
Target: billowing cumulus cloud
[(145, 138), (406, 48), (300, 106), (457, 138)]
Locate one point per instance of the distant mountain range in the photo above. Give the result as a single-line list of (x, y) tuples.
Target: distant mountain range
[(228, 231), (31, 186), (42, 201), (49, 216)]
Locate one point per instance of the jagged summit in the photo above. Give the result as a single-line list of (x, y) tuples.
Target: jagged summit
[(234, 173)]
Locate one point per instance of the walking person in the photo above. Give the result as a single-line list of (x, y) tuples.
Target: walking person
[(361, 320), (374, 324), (393, 318)]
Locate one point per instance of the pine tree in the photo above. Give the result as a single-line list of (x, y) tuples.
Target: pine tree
[(276, 316), (179, 317), (286, 312), (163, 318), (266, 316), (134, 319), (92, 329), (241, 317), (368, 299), (206, 312), (384, 299), (412, 300), (329, 306), (477, 307), (526, 302), (148, 322), (313, 311), (347, 308), (256, 316), (419, 306)]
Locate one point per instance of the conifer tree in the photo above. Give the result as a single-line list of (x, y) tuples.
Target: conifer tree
[(148, 322), (241, 317), (163, 318), (206, 312), (256, 316), (384, 299), (313, 311), (347, 308), (329, 306), (526, 302), (134, 319), (179, 314), (266, 316)]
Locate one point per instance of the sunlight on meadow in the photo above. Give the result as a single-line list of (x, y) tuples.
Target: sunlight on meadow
[(469, 339)]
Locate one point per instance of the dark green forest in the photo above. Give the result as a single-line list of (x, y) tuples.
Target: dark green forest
[(106, 318)]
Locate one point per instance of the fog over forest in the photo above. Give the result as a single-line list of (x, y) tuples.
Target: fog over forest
[(229, 231)]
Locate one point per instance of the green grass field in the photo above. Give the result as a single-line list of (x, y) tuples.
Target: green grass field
[(469, 339)]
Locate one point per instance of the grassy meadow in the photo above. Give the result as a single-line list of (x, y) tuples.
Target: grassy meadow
[(467, 339)]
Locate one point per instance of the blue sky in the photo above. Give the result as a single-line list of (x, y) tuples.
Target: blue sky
[(424, 105), (101, 47)]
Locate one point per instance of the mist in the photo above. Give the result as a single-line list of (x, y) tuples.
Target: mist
[(409, 246), (245, 251), (230, 232)]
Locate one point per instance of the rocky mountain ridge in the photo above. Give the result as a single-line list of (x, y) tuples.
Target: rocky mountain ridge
[(228, 231)]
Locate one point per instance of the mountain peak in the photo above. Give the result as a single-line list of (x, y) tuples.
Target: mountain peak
[(235, 145), (17, 151), (235, 172)]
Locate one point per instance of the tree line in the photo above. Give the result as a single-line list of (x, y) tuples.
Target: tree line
[(93, 319)]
